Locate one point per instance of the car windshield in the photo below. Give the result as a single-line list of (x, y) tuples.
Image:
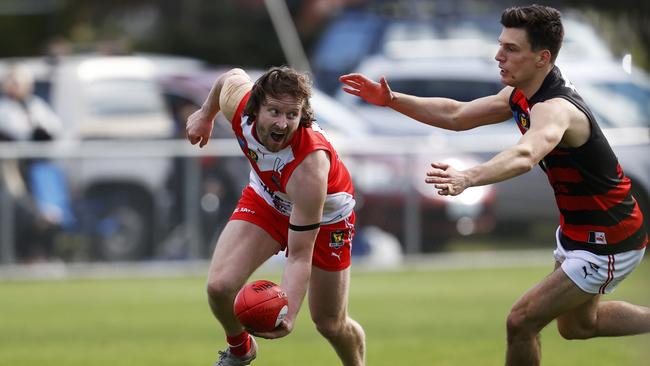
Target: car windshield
[(344, 45), (123, 97), (440, 38), (42, 89), (618, 104), (463, 90)]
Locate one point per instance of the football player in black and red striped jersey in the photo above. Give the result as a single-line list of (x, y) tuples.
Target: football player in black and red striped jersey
[(601, 237)]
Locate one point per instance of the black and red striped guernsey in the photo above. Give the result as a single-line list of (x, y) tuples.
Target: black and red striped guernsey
[(593, 195)]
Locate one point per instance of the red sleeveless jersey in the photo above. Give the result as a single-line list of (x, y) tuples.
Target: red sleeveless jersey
[(597, 210), (271, 170)]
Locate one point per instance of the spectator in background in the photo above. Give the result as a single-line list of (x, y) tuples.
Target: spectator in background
[(23, 115), (27, 117)]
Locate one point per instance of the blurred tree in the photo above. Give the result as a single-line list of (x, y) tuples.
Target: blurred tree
[(239, 32), (222, 32), (624, 24), (24, 25)]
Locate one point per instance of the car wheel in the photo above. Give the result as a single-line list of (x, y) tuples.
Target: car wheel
[(120, 228), (123, 234), (218, 200)]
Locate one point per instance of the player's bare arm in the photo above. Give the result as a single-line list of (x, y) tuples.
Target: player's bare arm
[(307, 189), (438, 112), (224, 96), (549, 122)]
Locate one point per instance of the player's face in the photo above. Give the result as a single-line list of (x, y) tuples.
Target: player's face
[(277, 121), (517, 61)]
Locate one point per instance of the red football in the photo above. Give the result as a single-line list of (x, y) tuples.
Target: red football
[(261, 305)]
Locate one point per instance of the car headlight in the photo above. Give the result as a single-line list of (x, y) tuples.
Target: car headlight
[(473, 196), (374, 175)]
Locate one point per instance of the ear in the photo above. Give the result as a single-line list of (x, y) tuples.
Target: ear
[(543, 58)]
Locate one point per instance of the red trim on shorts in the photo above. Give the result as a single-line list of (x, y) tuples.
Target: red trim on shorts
[(610, 273)]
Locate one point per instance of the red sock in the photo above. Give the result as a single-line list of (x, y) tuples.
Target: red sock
[(239, 344)]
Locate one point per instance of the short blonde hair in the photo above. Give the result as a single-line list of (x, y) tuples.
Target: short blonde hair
[(21, 77)]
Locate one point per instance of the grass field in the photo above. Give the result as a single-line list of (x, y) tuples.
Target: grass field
[(411, 317)]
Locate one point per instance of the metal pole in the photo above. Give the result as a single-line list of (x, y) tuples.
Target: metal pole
[(192, 178), (288, 35), (412, 217), (7, 238)]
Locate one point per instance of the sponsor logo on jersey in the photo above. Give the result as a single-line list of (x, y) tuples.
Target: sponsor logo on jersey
[(592, 266), (241, 142), (275, 177), (245, 210), (597, 237)]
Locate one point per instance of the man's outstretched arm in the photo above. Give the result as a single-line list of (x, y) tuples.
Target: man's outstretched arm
[(549, 122), (444, 113)]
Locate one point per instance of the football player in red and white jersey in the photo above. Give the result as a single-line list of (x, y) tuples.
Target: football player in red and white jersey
[(300, 199)]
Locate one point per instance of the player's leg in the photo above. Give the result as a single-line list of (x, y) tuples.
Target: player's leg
[(604, 319), (328, 302), (553, 296), (601, 274), (242, 247)]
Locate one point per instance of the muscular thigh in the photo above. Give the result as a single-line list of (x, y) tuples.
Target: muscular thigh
[(328, 293), (241, 248), (552, 297)]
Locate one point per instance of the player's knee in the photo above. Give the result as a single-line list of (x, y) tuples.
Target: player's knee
[(519, 325), (328, 327), (220, 287)]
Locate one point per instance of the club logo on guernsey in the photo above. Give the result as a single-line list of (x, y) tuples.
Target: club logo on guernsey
[(336, 239), (252, 155), (523, 121)]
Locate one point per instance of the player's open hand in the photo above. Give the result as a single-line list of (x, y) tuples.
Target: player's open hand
[(199, 128), (280, 331), (377, 93), (447, 180)]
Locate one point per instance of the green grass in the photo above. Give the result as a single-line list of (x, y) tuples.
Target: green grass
[(425, 317)]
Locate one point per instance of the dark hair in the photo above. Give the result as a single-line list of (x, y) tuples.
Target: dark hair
[(278, 82), (542, 24)]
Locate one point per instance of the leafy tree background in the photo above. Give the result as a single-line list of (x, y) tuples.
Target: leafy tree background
[(230, 32)]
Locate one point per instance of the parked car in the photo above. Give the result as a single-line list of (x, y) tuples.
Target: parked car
[(445, 31), (620, 101), (386, 172), (121, 202)]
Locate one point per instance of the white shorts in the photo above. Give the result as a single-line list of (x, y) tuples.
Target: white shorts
[(596, 274)]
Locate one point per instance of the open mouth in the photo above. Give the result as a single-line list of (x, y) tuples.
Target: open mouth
[(277, 136)]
